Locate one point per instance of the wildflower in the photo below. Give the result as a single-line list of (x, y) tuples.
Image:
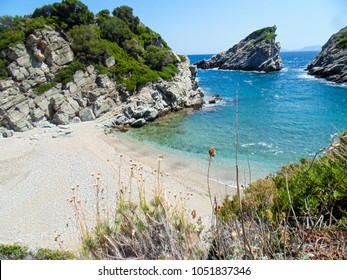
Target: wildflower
[(217, 209), (212, 152), (193, 214)]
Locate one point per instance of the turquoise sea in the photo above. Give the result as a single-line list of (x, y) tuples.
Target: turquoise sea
[(283, 117)]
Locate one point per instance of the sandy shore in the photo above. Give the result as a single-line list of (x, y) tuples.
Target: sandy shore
[(38, 169)]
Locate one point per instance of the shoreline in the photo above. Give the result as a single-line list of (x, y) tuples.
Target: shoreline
[(39, 167)]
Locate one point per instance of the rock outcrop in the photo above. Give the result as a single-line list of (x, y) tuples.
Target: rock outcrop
[(257, 52), (331, 62), (89, 96), (157, 99)]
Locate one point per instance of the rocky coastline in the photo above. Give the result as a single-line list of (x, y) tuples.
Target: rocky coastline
[(331, 62), (257, 52), (88, 97)]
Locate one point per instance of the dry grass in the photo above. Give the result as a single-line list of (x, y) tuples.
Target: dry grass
[(140, 228), (145, 226)]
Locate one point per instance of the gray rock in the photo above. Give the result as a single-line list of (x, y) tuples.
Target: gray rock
[(78, 76), (101, 107), (17, 121), (23, 108), (138, 123), (104, 81), (71, 87), (15, 52), (4, 85), (150, 114), (37, 115), (257, 52), (129, 111), (331, 62), (90, 69), (86, 114), (7, 133), (121, 119), (60, 118), (109, 62), (76, 120)]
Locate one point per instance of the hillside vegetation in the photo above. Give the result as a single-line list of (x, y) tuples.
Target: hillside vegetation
[(140, 54)]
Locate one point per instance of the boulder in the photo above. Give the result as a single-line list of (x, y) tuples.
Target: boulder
[(37, 115), (60, 118), (109, 62), (138, 123), (7, 133), (104, 81), (150, 114), (4, 85), (86, 114)]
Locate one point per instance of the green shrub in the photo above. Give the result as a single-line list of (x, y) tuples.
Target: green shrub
[(65, 75), (157, 58), (66, 14), (125, 13), (115, 30), (168, 72), (3, 71), (48, 254), (13, 252), (16, 29), (86, 43), (341, 41), (313, 190), (21, 252), (183, 58), (41, 88)]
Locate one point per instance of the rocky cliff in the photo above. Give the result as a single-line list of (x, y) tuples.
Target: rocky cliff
[(89, 96), (331, 62), (257, 52)]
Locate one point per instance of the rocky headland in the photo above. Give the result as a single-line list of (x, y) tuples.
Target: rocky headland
[(257, 52), (25, 103), (331, 62)]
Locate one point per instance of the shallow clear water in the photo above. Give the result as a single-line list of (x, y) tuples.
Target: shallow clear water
[(283, 117)]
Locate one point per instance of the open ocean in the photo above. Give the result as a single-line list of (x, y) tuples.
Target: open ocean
[(283, 116)]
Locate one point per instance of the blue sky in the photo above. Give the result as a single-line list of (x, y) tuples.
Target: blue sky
[(211, 26)]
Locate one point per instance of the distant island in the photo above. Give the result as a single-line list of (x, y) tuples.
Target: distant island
[(305, 49)]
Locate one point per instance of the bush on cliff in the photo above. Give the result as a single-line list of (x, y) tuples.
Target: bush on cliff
[(309, 192), (66, 14), (3, 72), (86, 44), (141, 55), (14, 30)]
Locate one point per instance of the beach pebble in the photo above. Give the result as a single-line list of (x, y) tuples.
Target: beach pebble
[(7, 133)]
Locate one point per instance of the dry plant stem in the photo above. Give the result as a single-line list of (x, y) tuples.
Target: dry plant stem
[(290, 201), (245, 241), (208, 182), (119, 170), (248, 161), (97, 185)]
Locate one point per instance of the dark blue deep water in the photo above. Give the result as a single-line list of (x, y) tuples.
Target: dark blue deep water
[(283, 117)]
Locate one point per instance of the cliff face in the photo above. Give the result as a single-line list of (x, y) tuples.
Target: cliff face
[(331, 62), (89, 96), (257, 52)]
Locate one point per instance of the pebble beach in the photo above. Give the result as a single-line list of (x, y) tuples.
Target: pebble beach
[(39, 168)]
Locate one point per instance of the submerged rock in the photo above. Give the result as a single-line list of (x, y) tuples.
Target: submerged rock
[(257, 52), (331, 62)]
